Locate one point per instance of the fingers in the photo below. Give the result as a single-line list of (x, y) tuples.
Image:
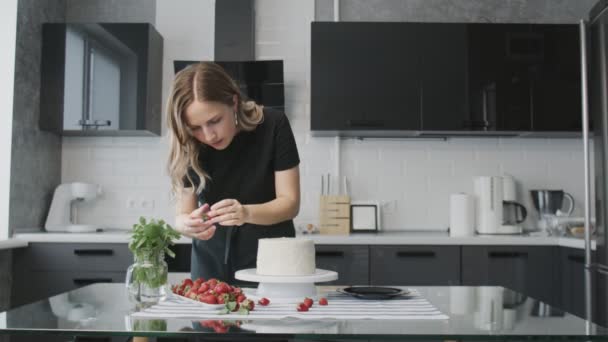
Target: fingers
[(200, 211), (223, 203), (222, 211), (223, 219), (205, 235)]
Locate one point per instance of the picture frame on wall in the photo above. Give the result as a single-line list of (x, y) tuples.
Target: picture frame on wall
[(364, 218)]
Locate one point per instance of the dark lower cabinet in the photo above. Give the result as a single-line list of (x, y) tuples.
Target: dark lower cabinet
[(572, 297), (530, 270), (415, 265), (350, 261), (46, 269)]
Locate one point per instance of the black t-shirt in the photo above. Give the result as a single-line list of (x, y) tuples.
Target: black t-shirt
[(243, 171)]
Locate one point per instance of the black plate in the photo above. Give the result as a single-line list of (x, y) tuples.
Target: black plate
[(373, 292)]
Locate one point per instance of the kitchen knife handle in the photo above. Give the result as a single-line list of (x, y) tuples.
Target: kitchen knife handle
[(331, 254), (93, 252), (505, 255), (415, 254), (89, 281)]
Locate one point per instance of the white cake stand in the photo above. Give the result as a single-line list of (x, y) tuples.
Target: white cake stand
[(285, 289)]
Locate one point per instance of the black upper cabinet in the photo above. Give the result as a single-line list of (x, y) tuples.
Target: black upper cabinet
[(557, 87), (444, 81), (502, 58), (101, 79), (450, 78), (524, 77), (357, 84)]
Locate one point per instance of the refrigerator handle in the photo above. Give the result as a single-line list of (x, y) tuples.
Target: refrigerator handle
[(587, 202)]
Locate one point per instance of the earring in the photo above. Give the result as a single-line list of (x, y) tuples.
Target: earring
[(236, 120)]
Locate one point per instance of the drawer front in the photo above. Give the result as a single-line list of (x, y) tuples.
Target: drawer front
[(33, 286), (415, 265), (525, 269), (78, 257), (351, 263)]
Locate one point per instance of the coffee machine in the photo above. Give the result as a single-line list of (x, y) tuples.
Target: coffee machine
[(497, 211), (61, 213)]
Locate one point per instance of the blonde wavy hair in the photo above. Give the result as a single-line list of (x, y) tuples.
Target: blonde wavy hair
[(204, 81)]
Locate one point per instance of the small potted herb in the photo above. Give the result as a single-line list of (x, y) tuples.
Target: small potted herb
[(147, 277)]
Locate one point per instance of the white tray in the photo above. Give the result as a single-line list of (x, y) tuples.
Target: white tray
[(320, 275), (205, 306)]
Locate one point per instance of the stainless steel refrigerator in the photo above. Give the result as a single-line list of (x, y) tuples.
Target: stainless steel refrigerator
[(594, 57)]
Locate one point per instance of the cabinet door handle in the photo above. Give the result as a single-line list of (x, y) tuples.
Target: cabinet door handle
[(364, 123), (577, 258), (89, 281), (415, 254), (506, 255), (331, 254), (91, 252)]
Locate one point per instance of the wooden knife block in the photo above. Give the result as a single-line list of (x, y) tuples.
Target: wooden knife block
[(334, 215)]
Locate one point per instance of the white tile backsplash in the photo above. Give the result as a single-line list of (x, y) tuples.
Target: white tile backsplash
[(412, 178)]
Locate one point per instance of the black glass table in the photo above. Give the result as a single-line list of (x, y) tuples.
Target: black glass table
[(475, 313)]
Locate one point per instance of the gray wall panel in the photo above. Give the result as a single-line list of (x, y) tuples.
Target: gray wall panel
[(546, 11), (111, 11), (234, 30), (36, 155)]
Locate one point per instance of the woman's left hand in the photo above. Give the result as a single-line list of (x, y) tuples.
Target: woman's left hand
[(228, 212)]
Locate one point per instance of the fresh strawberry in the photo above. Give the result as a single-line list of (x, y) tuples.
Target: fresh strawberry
[(198, 282), (237, 290), (263, 301), (323, 301), (221, 299), (191, 294), (308, 301), (222, 288), (203, 288), (302, 307), (187, 281), (240, 298), (248, 304), (212, 282), (209, 299)]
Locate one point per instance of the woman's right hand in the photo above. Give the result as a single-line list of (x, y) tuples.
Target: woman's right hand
[(196, 227)]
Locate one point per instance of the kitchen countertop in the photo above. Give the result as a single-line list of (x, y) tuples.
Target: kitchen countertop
[(381, 238)]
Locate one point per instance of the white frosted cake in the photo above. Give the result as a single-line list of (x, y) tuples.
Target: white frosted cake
[(286, 257)]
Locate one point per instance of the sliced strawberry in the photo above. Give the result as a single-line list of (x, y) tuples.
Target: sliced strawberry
[(302, 307), (323, 301)]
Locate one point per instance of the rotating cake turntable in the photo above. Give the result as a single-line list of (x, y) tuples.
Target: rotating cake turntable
[(285, 270), (284, 289)]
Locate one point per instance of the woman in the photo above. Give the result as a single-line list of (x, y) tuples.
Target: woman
[(233, 168)]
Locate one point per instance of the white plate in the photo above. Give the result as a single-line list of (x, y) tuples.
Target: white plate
[(320, 275), (206, 306)]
